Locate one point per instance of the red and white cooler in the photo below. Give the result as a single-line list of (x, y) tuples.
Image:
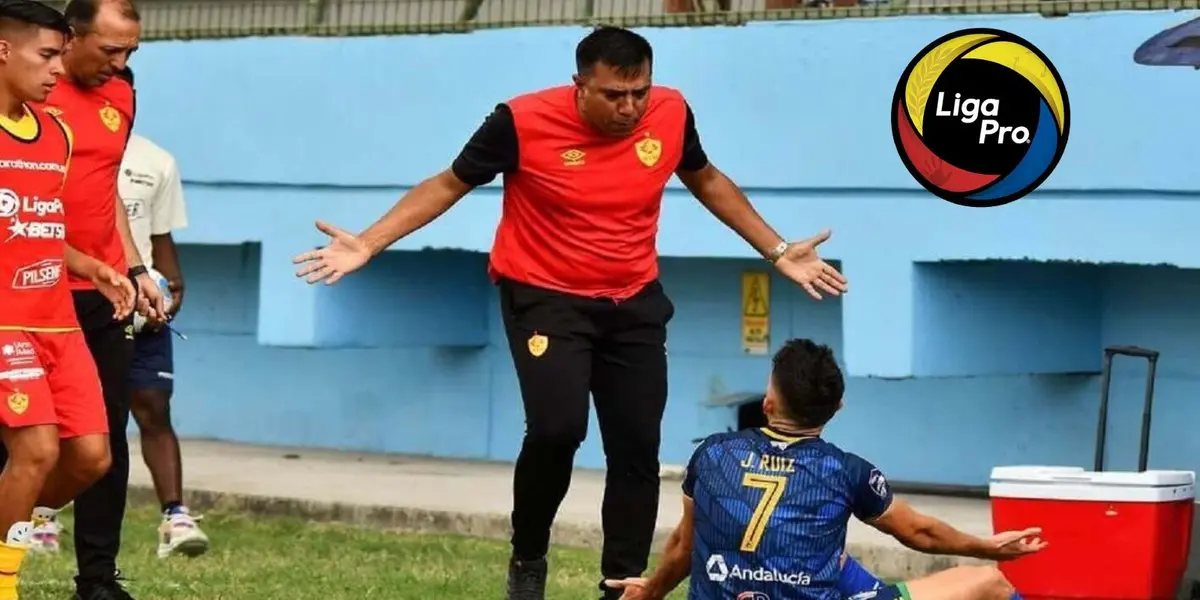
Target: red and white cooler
[(1110, 535)]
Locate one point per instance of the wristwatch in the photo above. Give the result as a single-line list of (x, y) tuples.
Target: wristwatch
[(777, 252), (138, 270)]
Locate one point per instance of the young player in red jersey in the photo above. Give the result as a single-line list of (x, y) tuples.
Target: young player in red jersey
[(99, 106), (52, 417)]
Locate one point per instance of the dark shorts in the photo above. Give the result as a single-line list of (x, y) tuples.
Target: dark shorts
[(153, 361)]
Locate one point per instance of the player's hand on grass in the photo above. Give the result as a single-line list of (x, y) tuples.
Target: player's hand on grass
[(344, 254), (634, 587), (801, 263), (117, 289), (1015, 544)]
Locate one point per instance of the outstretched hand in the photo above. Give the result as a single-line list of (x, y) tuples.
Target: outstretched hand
[(801, 263), (1008, 545), (344, 254), (634, 587)]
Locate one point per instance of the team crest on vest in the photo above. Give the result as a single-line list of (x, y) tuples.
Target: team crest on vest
[(538, 344), (111, 118), (18, 403), (649, 150)]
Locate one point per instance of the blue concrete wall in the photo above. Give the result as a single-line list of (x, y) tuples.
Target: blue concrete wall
[(977, 334)]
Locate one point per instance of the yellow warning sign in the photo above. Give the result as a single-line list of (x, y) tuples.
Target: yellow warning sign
[(756, 313)]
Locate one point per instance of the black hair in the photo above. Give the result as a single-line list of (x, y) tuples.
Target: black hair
[(623, 50), (126, 74), (31, 13), (809, 382), (81, 14)]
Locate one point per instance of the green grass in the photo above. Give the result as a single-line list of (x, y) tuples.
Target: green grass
[(255, 558)]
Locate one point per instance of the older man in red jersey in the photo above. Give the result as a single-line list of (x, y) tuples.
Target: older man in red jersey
[(99, 107), (52, 420), (584, 168)]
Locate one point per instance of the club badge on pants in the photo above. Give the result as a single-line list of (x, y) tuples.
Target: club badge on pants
[(538, 344)]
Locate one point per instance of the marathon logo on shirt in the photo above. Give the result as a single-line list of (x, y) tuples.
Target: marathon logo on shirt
[(41, 274), (24, 165), (719, 571), (23, 214)]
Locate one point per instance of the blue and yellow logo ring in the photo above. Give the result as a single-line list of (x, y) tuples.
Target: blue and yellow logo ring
[(946, 139)]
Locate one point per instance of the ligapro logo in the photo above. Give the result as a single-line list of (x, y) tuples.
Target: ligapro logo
[(718, 572), (980, 117), (9, 203)]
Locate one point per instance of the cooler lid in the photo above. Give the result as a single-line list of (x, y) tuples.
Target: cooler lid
[(1030, 472), (1025, 481)]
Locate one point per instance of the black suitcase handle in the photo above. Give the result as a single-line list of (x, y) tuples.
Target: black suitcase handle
[(1151, 357)]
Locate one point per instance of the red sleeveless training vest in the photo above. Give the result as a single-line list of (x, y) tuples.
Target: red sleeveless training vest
[(581, 211)]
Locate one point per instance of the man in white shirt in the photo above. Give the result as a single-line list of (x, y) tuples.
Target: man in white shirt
[(150, 186)]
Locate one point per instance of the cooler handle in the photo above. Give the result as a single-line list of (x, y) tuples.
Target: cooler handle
[(1072, 478), (1151, 357)]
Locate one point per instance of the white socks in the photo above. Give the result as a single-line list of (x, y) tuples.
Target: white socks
[(19, 534)]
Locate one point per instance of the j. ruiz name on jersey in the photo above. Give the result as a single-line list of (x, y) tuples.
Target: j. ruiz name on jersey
[(769, 462), (26, 214)]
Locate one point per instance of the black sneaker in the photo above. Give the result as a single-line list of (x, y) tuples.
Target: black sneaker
[(101, 589), (526, 579)]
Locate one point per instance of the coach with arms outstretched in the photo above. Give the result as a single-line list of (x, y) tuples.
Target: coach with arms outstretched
[(584, 166)]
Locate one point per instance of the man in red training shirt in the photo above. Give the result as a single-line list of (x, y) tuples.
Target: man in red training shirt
[(574, 257), (52, 416), (99, 107)]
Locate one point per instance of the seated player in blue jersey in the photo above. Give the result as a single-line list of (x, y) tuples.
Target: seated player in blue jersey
[(765, 510)]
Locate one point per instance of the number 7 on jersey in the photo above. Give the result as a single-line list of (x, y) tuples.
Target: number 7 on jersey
[(772, 487)]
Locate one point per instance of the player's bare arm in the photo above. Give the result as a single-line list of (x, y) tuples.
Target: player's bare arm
[(926, 534), (115, 286), (673, 567), (676, 562)]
